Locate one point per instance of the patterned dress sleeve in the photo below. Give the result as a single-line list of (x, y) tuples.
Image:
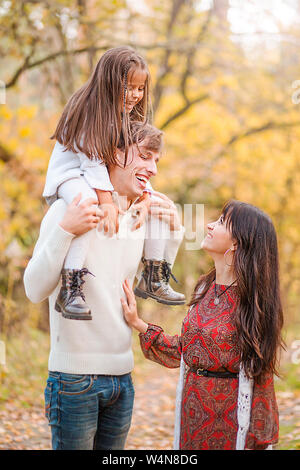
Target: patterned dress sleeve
[(160, 347), (264, 421)]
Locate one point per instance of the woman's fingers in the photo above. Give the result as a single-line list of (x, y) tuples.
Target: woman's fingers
[(126, 289), (129, 292), (124, 305)]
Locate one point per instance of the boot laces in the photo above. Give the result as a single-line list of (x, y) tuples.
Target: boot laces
[(167, 272), (159, 272), (77, 283)]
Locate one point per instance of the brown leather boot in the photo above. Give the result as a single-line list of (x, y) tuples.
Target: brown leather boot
[(71, 301), (154, 283)]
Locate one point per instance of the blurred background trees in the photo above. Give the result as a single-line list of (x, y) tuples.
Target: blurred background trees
[(224, 91)]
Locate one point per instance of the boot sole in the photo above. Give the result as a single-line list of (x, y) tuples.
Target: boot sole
[(140, 293), (70, 316)]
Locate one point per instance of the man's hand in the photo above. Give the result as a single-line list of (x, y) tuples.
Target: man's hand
[(80, 218), (165, 210)]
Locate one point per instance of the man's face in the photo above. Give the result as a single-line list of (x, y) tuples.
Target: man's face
[(141, 166)]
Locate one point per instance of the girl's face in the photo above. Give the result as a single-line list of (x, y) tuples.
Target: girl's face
[(136, 82), (218, 239)]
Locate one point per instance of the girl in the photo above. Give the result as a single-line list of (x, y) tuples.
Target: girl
[(87, 137), (229, 338)]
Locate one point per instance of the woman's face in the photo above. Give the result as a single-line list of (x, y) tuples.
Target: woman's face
[(135, 88), (218, 239)]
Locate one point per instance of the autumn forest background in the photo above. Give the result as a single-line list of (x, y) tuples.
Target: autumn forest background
[(226, 93)]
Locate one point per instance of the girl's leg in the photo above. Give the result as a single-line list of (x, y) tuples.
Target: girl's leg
[(71, 300), (79, 246), (154, 281), (157, 234)]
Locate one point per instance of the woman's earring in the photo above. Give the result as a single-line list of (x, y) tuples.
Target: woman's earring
[(229, 249)]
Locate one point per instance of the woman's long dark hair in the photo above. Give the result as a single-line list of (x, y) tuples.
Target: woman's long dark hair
[(259, 316), (94, 116)]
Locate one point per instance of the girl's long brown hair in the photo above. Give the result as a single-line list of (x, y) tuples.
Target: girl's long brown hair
[(94, 116), (259, 316)]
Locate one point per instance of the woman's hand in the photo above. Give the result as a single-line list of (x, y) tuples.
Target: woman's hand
[(80, 218), (130, 311), (165, 210)]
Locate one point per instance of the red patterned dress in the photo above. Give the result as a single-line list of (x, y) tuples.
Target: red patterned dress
[(209, 405)]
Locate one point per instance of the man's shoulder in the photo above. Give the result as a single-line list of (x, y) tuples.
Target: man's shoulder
[(55, 211)]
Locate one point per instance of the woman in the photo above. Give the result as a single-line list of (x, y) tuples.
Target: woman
[(229, 339)]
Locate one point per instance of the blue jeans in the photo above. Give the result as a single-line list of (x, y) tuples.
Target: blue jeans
[(88, 412)]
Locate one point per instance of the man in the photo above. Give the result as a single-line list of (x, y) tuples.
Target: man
[(89, 393)]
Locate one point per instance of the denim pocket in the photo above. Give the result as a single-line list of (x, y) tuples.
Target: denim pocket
[(48, 395), (73, 384)]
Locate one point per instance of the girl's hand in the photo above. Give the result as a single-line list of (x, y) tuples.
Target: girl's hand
[(80, 218), (141, 207), (165, 210), (110, 221), (130, 311)]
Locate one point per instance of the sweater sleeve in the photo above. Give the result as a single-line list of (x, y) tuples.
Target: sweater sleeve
[(43, 271)]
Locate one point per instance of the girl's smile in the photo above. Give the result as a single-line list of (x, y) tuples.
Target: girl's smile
[(135, 88)]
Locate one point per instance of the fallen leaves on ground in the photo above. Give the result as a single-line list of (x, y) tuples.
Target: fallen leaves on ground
[(153, 417)]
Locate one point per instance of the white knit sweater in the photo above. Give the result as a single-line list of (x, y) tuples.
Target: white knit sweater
[(101, 345)]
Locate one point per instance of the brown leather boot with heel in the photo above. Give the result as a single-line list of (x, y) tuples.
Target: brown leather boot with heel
[(154, 283), (71, 300)]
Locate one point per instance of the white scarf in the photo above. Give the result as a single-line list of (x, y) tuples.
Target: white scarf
[(243, 413)]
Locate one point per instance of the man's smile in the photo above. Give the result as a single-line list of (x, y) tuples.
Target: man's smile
[(142, 179)]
